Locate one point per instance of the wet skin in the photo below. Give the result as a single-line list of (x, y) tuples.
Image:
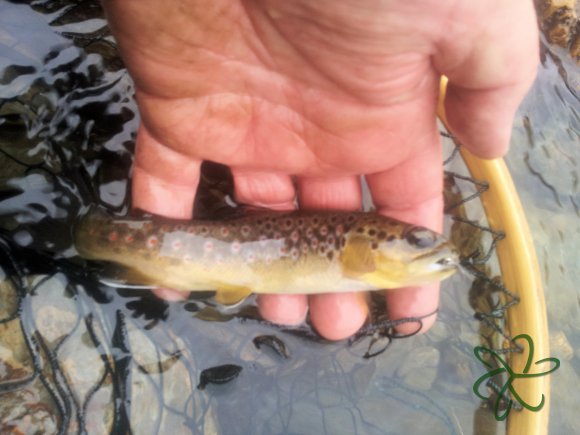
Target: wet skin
[(300, 97)]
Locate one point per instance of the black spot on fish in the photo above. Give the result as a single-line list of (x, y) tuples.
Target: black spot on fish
[(330, 255), (381, 235), (390, 238), (273, 343), (218, 375), (268, 226), (360, 230), (372, 232), (374, 245)]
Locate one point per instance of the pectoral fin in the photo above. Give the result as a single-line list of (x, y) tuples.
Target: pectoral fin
[(229, 295), (380, 280), (390, 274), (357, 258)]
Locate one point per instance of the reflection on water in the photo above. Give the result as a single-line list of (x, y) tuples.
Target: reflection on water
[(545, 163), (88, 357)]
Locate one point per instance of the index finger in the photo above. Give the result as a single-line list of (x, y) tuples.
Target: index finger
[(164, 181)]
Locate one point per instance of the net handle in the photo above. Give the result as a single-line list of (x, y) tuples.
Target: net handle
[(521, 275)]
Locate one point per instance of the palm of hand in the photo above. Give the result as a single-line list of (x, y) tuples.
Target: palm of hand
[(318, 91)]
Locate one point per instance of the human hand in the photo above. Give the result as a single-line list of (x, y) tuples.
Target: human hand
[(300, 97)]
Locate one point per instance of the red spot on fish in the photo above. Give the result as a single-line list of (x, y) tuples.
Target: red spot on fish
[(152, 242), (129, 238), (294, 253), (295, 236), (251, 257), (113, 236), (323, 230), (339, 230), (225, 231), (177, 245), (278, 236), (283, 250), (263, 240), (305, 247), (309, 232), (314, 243), (190, 230), (208, 246), (245, 230), (236, 247)]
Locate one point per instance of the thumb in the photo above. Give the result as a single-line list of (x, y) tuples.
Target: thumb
[(491, 60)]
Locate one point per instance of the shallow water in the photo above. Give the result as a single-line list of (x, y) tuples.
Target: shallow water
[(67, 123), (544, 161)]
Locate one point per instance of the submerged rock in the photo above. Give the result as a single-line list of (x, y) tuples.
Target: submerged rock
[(559, 22), (419, 369)]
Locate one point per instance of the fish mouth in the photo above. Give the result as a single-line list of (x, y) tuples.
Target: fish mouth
[(436, 265), (448, 262)]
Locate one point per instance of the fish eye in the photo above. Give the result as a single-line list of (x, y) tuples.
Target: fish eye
[(421, 237)]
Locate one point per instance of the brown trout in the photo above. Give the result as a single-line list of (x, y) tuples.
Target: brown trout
[(301, 252)]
